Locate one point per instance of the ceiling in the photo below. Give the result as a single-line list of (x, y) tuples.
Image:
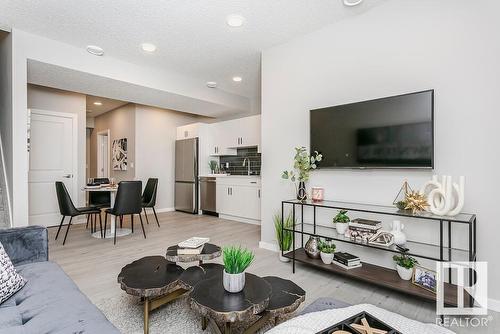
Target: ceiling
[(192, 37), (106, 105)]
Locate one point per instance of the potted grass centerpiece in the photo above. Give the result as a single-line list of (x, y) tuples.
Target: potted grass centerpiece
[(341, 221), (236, 261), (283, 234)]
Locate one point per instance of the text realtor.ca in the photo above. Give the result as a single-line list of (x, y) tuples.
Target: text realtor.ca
[(470, 279)]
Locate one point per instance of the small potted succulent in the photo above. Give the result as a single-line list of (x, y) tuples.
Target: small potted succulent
[(283, 234), (404, 265), (236, 261), (341, 221), (327, 249), (214, 166)]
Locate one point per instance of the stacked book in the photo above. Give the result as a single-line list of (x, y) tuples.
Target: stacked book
[(365, 225), (192, 246), (346, 260)]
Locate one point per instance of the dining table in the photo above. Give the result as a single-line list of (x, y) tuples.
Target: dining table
[(110, 232)]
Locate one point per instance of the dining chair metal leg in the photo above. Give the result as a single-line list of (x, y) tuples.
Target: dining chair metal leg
[(60, 225), (121, 221), (92, 223), (114, 238), (105, 223), (67, 230), (100, 224), (132, 222), (142, 225), (146, 214), (88, 217), (157, 222)]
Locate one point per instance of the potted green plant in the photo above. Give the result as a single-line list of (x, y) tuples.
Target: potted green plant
[(327, 249), (236, 261), (303, 163), (341, 221), (404, 265), (213, 165), (283, 234)]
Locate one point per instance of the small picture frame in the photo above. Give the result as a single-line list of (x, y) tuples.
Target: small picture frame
[(425, 278)]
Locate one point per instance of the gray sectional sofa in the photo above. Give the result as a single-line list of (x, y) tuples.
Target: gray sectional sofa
[(50, 302)]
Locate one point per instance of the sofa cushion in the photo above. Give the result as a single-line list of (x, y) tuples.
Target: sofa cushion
[(51, 303), (10, 280)]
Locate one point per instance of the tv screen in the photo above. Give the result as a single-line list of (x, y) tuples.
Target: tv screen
[(391, 132)]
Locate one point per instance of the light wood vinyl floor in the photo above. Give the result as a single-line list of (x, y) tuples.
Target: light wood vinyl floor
[(94, 263)]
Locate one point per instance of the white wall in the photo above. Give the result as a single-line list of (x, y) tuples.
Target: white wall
[(398, 47), (156, 131), (6, 112), (44, 98)]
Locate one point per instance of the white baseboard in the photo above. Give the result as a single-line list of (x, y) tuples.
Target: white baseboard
[(494, 304), (269, 246), (165, 210), (240, 219)]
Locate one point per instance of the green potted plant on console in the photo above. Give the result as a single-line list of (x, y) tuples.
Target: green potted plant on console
[(283, 234), (303, 163), (341, 221), (236, 261), (404, 265), (327, 249)]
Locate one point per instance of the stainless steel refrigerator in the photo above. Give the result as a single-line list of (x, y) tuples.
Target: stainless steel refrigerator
[(186, 175)]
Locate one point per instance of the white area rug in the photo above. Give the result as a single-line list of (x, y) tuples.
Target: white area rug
[(126, 313)]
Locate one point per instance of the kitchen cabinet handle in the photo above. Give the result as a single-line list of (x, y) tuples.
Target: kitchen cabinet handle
[(254, 182), (259, 193), (241, 140)]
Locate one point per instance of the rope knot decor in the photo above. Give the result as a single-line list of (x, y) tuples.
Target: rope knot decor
[(445, 198)]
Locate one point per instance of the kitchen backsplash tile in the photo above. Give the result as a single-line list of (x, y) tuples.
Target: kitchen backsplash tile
[(236, 162)]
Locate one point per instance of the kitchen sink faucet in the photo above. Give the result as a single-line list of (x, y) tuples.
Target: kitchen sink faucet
[(248, 165)]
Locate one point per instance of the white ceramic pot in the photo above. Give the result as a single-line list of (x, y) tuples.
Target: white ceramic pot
[(405, 274), (233, 282), (341, 227), (283, 259), (327, 258)]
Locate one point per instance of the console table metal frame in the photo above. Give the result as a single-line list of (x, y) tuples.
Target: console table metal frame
[(463, 218)]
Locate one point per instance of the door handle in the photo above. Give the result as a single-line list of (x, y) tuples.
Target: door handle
[(259, 193), (68, 176)]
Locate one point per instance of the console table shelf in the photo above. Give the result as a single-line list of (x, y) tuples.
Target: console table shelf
[(378, 275)]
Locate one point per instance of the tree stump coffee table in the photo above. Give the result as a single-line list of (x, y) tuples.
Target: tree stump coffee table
[(157, 281), (267, 297), (209, 252)]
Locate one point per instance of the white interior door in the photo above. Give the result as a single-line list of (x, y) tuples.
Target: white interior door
[(52, 157), (103, 154)]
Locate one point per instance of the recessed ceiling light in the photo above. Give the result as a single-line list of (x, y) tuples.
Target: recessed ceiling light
[(148, 47), (237, 79), (235, 20), (95, 50), (352, 3), (97, 103), (211, 84)]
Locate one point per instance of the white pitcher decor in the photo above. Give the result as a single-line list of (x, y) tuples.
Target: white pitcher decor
[(399, 237), (446, 198), (236, 261)]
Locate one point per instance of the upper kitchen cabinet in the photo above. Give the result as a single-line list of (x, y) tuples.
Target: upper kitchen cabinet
[(238, 133), (219, 134)]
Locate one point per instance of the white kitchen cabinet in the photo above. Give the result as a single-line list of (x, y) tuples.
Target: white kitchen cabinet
[(247, 132), (220, 133), (238, 198)]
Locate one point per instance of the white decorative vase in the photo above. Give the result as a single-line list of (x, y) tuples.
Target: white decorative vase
[(233, 282), (397, 232), (327, 258), (283, 259), (341, 227), (404, 273)]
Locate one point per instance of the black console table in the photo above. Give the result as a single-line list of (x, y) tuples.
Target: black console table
[(379, 275)]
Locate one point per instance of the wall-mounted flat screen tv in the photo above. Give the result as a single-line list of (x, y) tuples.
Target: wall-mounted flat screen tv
[(391, 132)]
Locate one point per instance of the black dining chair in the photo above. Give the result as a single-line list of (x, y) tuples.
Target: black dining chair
[(149, 198), (67, 208), (99, 199), (127, 202)]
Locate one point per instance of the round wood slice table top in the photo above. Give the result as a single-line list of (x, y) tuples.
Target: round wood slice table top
[(286, 296), (209, 252), (210, 298)]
